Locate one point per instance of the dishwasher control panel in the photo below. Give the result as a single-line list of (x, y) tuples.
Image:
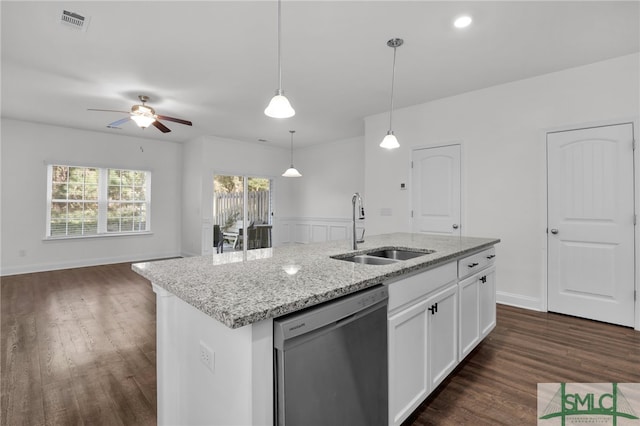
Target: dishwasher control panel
[(299, 323)]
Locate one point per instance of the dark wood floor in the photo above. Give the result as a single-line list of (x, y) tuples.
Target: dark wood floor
[(497, 383), (78, 347)]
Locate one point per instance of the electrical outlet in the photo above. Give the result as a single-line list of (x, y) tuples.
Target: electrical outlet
[(207, 356)]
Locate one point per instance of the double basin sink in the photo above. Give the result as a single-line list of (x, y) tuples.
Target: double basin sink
[(383, 256)]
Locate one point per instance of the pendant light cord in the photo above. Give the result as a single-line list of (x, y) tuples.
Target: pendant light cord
[(279, 48), (393, 78), (292, 132)]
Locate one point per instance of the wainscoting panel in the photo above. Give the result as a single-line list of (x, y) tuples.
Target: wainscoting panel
[(318, 233), (314, 230), (207, 237), (282, 235), (302, 233), (338, 232)]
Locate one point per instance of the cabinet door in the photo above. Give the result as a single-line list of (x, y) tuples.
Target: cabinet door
[(442, 334), (487, 286), (408, 382), (469, 297)]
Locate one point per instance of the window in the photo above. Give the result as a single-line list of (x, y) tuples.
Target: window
[(74, 201), (85, 201), (127, 211)]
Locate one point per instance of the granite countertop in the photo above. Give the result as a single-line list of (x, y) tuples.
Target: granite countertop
[(276, 281)]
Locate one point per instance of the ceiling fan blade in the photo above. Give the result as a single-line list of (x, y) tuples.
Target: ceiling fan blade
[(161, 127), (177, 120), (108, 110), (119, 122)]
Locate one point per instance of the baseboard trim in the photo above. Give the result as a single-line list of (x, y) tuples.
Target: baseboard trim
[(519, 301), (54, 266)]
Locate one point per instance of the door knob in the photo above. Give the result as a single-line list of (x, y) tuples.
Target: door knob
[(455, 226), (554, 231)]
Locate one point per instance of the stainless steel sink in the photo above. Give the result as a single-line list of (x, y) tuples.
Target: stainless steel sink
[(368, 260), (399, 254), (383, 256)]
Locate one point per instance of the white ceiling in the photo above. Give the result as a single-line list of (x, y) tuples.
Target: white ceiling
[(214, 62)]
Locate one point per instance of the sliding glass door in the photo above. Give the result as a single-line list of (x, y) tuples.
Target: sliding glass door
[(242, 213)]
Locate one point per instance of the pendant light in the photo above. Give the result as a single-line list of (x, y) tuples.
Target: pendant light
[(279, 107), (390, 141), (291, 171)]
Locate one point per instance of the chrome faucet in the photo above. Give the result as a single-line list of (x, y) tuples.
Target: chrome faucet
[(358, 198)]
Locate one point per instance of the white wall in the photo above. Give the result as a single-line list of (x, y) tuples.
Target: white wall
[(331, 173), (192, 188), (28, 147), (502, 131), (320, 200)]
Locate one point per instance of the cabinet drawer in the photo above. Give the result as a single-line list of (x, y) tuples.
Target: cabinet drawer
[(470, 264), (412, 288)]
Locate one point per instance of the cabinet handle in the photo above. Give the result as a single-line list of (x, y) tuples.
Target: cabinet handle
[(433, 309), (472, 265), (483, 279), (491, 256)]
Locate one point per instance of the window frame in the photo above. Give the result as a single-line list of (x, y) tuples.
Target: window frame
[(102, 201)]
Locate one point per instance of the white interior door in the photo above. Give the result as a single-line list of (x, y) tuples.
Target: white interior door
[(436, 190), (591, 223)]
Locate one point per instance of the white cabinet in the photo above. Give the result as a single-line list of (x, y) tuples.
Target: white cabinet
[(408, 369), (435, 319), (487, 301), (422, 337), (477, 296), (469, 295), (442, 334)]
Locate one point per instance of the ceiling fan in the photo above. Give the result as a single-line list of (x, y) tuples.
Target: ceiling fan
[(144, 116)]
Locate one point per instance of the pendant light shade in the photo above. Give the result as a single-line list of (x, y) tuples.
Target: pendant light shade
[(279, 107), (291, 171), (390, 141)]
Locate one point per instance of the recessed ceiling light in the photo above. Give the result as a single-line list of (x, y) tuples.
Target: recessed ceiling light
[(462, 21)]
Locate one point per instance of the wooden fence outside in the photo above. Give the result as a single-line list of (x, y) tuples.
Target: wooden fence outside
[(227, 207)]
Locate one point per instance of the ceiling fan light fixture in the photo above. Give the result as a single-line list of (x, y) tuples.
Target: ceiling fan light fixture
[(279, 107), (142, 110), (144, 116), (142, 120), (292, 171)]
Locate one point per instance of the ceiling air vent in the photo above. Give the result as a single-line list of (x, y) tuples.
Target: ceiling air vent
[(74, 20)]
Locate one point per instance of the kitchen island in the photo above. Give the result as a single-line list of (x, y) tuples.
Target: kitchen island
[(215, 316)]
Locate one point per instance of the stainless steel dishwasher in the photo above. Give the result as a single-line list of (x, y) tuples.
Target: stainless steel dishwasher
[(331, 363)]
